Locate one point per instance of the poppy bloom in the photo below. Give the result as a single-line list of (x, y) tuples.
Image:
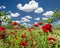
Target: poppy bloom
[(52, 38), (11, 43), (15, 23), (35, 25), (2, 36), (23, 36), (40, 23), (23, 43), (18, 24), (33, 45), (12, 33), (15, 28), (2, 29), (32, 27), (16, 38), (31, 39), (47, 27), (51, 42), (29, 29)]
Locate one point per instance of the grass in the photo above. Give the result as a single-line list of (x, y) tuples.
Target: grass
[(35, 39)]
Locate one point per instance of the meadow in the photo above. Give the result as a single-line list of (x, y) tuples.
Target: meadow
[(33, 37)]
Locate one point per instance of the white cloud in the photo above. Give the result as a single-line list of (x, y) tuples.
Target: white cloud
[(14, 14), (56, 23), (28, 17), (17, 21), (39, 10), (19, 6), (32, 5), (37, 18), (48, 13), (23, 19), (35, 23), (24, 24), (29, 25), (44, 18), (2, 7)]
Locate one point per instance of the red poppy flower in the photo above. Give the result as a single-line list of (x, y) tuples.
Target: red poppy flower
[(15, 23), (47, 27), (33, 45), (2, 36), (44, 29), (23, 43), (52, 38), (32, 27), (31, 39), (18, 24), (29, 29), (23, 36), (12, 33), (35, 25), (15, 28), (10, 42), (15, 38), (2, 29), (51, 42), (40, 23)]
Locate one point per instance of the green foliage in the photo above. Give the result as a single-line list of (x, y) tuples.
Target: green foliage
[(23, 27), (57, 26), (5, 19), (2, 13), (49, 20), (56, 13), (9, 26)]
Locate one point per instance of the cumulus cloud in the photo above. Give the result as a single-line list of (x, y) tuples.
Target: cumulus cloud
[(44, 18), (2, 7), (24, 24), (48, 13), (24, 20), (14, 14), (39, 10), (56, 23), (32, 5), (17, 21), (37, 18), (29, 25), (28, 17)]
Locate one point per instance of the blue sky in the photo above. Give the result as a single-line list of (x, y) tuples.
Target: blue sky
[(28, 12)]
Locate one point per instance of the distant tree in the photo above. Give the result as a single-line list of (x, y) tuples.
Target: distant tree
[(4, 18), (49, 20), (55, 16), (23, 27), (56, 13), (1, 15)]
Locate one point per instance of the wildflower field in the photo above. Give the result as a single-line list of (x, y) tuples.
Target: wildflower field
[(33, 37), (29, 23)]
